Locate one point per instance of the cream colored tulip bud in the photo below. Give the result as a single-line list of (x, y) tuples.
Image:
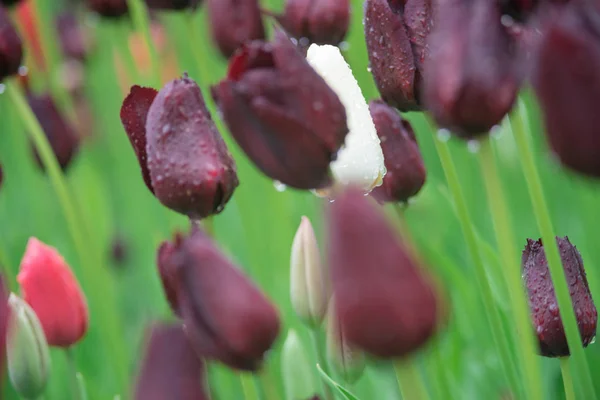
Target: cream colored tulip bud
[(309, 281), (297, 371)]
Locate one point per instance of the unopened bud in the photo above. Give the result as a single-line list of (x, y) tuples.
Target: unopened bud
[(298, 377), (27, 350), (309, 288)]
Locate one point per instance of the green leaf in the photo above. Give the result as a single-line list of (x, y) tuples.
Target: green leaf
[(341, 390)]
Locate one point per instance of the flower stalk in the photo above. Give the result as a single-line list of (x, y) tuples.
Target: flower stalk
[(141, 20)]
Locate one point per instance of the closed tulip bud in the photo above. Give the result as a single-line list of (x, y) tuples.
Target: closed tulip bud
[(108, 8), (348, 361), (542, 299), (173, 4), (282, 113), (61, 135), (27, 350), (73, 39), (567, 85), (234, 23), (225, 316), (11, 47), (297, 370), (51, 289), (406, 173), (397, 43), (360, 161), (471, 71), (386, 304), (321, 22), (309, 282), (184, 159), (170, 369)]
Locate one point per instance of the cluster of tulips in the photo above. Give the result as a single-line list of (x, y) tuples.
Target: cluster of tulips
[(291, 103)]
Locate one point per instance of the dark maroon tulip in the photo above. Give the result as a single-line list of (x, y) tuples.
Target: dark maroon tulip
[(406, 173), (542, 300), (108, 8), (385, 303), (184, 159), (282, 113), (234, 22), (172, 4), (567, 84), (73, 40), (11, 47), (225, 316), (471, 72), (61, 135), (170, 369), (321, 22), (9, 3), (397, 47)]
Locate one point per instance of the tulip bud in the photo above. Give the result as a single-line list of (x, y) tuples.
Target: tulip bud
[(321, 22), (61, 135), (471, 71), (11, 47), (296, 369), (184, 159), (348, 361), (282, 113), (172, 4), (225, 316), (108, 8), (73, 39), (567, 85), (360, 161), (397, 47), (170, 369), (309, 284), (51, 289), (406, 173), (398, 310), (542, 299), (234, 23), (27, 350)]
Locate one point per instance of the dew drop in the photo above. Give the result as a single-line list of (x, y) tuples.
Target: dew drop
[(166, 129), (593, 340), (443, 135), (280, 187), (344, 46), (473, 146), (539, 329)]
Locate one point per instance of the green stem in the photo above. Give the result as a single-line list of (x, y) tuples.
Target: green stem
[(492, 314), (196, 49), (267, 384), (567, 378), (320, 352), (98, 282), (49, 41), (248, 387), (141, 20), (512, 275), (119, 34), (77, 391), (559, 280), (410, 381)]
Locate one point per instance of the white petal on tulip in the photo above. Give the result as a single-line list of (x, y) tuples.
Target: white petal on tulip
[(360, 161)]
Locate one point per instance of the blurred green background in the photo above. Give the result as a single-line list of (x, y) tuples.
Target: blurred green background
[(257, 227)]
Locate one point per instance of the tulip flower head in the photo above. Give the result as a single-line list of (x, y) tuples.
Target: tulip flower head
[(11, 47), (184, 159), (403, 161), (320, 22), (567, 85), (385, 303), (170, 369), (235, 22), (108, 8), (9, 3), (51, 289), (225, 315), (542, 299), (360, 161), (397, 42), (282, 113)]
